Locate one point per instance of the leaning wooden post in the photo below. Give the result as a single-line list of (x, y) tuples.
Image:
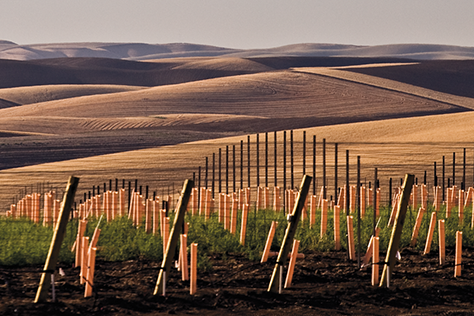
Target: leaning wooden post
[(429, 237), (291, 265), (397, 230), (416, 228), (175, 232), (293, 220), (58, 237), (268, 244)]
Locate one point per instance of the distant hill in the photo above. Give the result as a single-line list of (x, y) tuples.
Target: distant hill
[(453, 76), (86, 70), (143, 51)]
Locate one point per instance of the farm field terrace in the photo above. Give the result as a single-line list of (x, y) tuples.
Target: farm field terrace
[(157, 123)]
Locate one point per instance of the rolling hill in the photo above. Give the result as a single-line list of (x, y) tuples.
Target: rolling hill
[(143, 51), (101, 118)]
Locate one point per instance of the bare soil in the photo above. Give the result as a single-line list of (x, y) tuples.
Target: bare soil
[(323, 284), (448, 76)]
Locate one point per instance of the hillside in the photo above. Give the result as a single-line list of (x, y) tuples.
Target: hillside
[(394, 146), (45, 123), (273, 100), (36, 94), (154, 72), (108, 71), (456, 75), (143, 51)]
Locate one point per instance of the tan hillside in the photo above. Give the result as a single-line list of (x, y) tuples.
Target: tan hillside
[(282, 99), (213, 63), (352, 74), (54, 125), (396, 147), (37, 94)]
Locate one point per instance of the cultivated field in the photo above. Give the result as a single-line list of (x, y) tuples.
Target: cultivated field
[(158, 121), (400, 133)]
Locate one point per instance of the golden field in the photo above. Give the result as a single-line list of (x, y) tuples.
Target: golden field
[(160, 134)]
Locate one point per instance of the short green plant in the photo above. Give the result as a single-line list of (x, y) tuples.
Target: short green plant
[(24, 242)]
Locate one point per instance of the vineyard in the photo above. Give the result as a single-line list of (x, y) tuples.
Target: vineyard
[(237, 185), (229, 224)]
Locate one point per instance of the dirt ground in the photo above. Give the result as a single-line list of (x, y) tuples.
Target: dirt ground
[(323, 284)]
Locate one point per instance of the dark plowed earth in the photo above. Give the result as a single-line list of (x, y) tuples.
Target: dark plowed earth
[(6, 104), (114, 71), (19, 151), (449, 76), (323, 284), (100, 71)]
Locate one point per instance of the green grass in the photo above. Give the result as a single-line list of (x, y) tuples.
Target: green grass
[(24, 242)]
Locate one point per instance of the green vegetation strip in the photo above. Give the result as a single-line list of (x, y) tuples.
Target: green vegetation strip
[(25, 243)]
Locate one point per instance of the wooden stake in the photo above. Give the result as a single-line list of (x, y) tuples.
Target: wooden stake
[(84, 259), (457, 260), (227, 208), (363, 199), (350, 237), (324, 217), (417, 226), (468, 197), (156, 217), (148, 213), (166, 229), (312, 210), (342, 196), (58, 237), (397, 230), (80, 233), (424, 196), (368, 253), (441, 243), (121, 210), (353, 201), (268, 244), (337, 229), (276, 199), (233, 222), (175, 232), (291, 264), (415, 196), (243, 228), (395, 208), (375, 261), (293, 220), (90, 272), (266, 198), (431, 229), (184, 257), (193, 281), (222, 198)]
